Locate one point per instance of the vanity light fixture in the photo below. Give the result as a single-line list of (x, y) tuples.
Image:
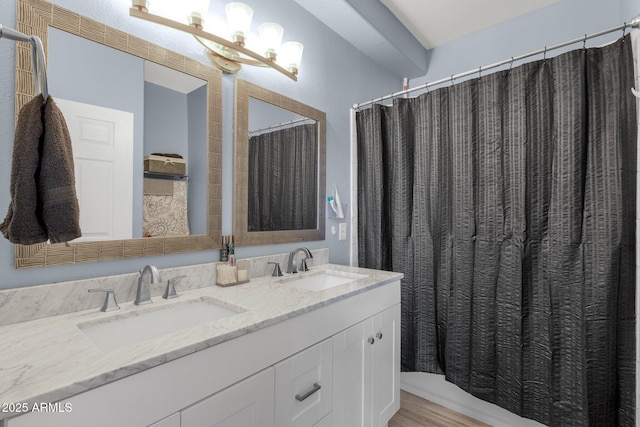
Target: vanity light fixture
[(238, 46)]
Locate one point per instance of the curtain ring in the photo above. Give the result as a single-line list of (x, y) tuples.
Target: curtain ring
[(511, 64), (584, 43), (544, 57), (479, 72), (624, 30), (452, 80)]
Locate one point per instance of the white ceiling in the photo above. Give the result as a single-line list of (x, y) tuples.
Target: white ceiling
[(436, 22), (170, 78)]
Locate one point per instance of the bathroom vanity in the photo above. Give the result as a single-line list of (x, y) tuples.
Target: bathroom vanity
[(319, 348)]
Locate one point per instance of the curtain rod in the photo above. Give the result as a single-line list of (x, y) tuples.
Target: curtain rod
[(635, 23), (303, 119)]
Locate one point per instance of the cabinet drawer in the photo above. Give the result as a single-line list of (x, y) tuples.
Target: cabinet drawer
[(246, 404), (304, 386)]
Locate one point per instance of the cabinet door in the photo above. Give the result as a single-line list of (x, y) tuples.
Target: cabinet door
[(170, 421), (386, 366), (304, 386), (248, 403), (352, 376), (325, 422)]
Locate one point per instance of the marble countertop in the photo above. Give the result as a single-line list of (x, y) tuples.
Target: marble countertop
[(50, 359)]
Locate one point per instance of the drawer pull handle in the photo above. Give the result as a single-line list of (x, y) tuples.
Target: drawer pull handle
[(371, 340), (379, 335), (303, 397)]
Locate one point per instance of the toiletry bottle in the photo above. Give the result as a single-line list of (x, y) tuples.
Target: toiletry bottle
[(224, 250), (231, 250)]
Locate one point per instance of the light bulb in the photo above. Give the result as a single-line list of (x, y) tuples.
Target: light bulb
[(291, 55), (239, 18), (197, 12), (271, 37), (173, 10)]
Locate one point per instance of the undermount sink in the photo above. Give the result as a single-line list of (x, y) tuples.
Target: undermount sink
[(322, 280), (146, 323)]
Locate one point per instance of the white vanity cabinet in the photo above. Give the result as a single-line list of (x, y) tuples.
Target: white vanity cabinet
[(366, 371), (246, 404), (320, 355)]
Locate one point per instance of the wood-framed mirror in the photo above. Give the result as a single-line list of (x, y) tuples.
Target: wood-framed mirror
[(39, 17), (264, 212)]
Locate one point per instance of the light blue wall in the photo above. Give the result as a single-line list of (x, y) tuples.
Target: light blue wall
[(166, 124), (629, 9), (197, 165), (262, 115), (554, 24), (333, 76)]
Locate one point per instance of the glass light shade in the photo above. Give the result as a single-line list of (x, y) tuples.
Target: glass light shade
[(169, 9), (239, 18), (142, 5), (291, 55), (198, 8), (254, 43), (271, 37)]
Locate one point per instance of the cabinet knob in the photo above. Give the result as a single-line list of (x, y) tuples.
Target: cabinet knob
[(379, 335), (371, 340)]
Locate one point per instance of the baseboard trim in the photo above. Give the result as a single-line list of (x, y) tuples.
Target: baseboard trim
[(437, 390)]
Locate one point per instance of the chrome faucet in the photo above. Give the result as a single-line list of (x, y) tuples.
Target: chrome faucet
[(291, 267), (148, 275)]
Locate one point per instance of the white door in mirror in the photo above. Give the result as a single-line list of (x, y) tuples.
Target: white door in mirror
[(102, 141)]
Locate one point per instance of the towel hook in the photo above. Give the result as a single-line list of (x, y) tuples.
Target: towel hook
[(40, 68)]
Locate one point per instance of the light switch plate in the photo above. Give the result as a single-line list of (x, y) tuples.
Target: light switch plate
[(343, 231)]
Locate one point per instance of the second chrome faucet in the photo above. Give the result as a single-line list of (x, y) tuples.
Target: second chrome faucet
[(291, 266), (148, 275)]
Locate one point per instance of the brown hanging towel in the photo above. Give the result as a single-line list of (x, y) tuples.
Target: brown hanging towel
[(43, 203)]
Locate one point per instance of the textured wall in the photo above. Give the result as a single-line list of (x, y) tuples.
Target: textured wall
[(333, 76)]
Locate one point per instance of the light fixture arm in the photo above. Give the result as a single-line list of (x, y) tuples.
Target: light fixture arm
[(134, 12)]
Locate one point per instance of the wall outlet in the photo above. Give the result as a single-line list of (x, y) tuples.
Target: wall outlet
[(342, 231)]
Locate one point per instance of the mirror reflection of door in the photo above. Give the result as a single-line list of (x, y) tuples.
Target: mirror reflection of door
[(282, 169), (102, 141)]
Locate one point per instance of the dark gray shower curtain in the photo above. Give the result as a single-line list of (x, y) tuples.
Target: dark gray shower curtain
[(283, 176), (508, 202)]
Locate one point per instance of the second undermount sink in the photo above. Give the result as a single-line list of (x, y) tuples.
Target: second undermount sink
[(322, 280), (141, 324)]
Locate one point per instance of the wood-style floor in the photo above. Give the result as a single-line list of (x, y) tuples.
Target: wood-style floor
[(417, 412)]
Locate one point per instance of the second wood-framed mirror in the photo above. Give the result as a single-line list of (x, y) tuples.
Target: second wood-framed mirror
[(40, 18), (280, 168)]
